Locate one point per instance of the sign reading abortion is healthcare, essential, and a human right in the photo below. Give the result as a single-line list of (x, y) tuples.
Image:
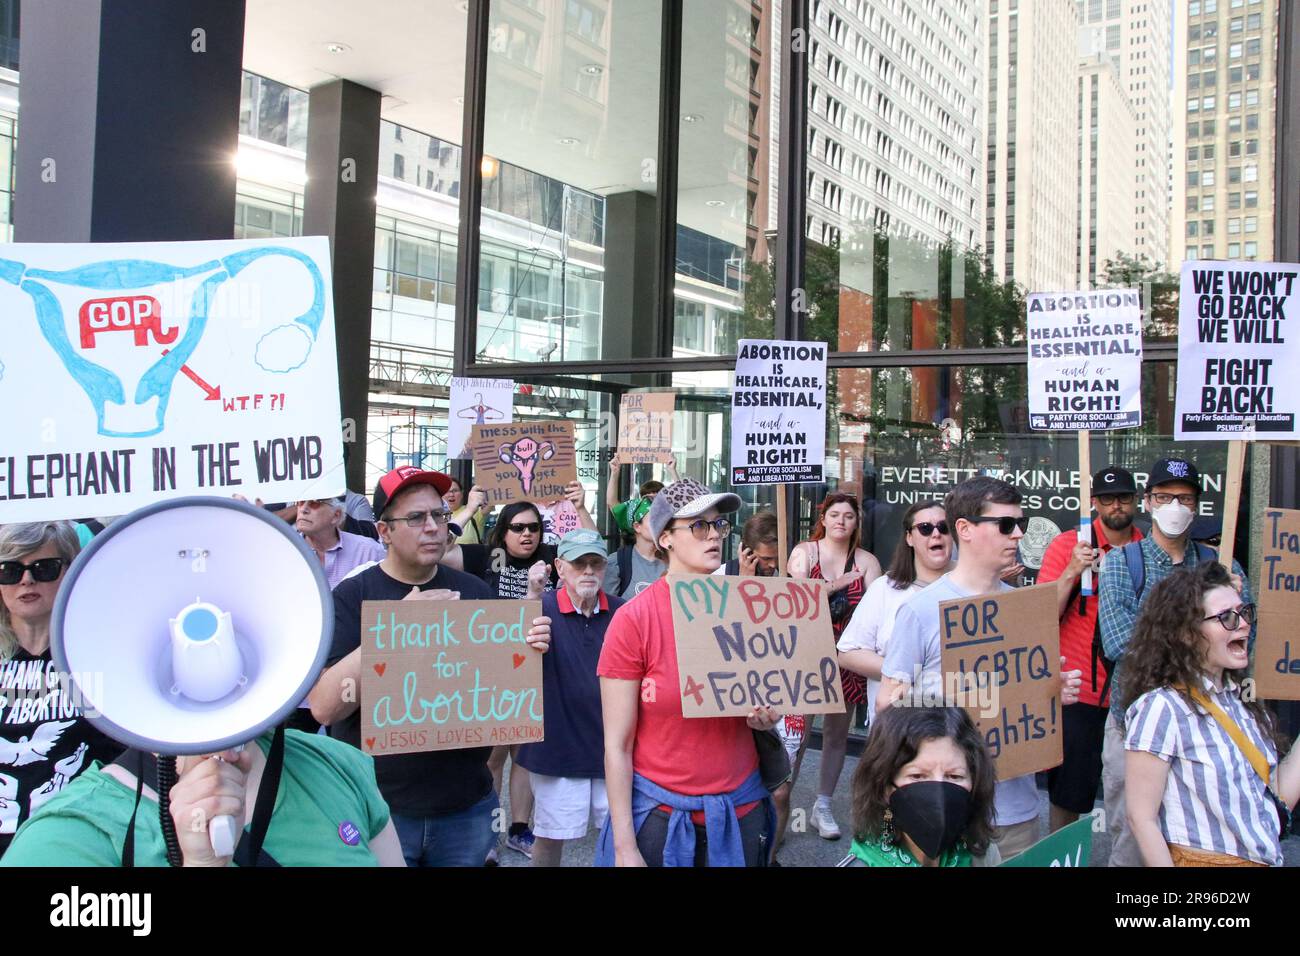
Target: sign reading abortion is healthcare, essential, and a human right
[(1237, 352), (778, 413), (1085, 360)]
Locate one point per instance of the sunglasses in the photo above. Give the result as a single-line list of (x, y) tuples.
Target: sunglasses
[(45, 570), (1006, 524), (928, 528), (700, 528), (519, 527), (1231, 618)]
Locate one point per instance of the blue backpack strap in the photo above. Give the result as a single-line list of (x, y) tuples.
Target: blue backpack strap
[(1137, 571), (624, 568)]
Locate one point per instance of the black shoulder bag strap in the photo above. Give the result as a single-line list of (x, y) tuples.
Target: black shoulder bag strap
[(249, 852), (145, 763)]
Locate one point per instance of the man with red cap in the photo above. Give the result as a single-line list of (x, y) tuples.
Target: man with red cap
[(441, 803)]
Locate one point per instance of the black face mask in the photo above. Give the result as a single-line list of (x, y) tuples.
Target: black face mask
[(934, 813)]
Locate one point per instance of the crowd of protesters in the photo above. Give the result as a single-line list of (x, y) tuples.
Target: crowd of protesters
[(1152, 676)]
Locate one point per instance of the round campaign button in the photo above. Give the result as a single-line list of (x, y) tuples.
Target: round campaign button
[(349, 833)]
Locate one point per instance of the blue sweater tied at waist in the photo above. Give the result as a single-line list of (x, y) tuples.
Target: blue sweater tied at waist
[(721, 827)]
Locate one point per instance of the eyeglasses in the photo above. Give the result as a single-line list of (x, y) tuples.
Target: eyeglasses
[(519, 527), (1107, 500), (928, 528), (1231, 618), (1162, 498), (45, 570), (417, 519), (700, 528), (1006, 524)]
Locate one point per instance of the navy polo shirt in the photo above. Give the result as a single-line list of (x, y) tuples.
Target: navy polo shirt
[(575, 731)]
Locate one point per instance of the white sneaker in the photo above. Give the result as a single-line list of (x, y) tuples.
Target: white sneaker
[(825, 823)]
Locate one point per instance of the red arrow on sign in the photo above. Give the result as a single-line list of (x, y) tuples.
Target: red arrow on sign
[(213, 394)]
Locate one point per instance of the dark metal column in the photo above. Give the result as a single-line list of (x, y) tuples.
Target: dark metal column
[(342, 176), (471, 185), (792, 165), (670, 96), (130, 120)]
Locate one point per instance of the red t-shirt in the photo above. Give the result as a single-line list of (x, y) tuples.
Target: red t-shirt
[(703, 755), (1077, 629)]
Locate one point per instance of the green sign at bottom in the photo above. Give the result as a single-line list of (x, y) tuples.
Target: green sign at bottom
[(1068, 846)]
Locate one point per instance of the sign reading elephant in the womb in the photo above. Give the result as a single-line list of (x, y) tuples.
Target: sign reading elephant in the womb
[(524, 461)]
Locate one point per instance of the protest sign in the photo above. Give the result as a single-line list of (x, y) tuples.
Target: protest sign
[(1085, 360), (523, 461), (1011, 642), (446, 675), (1234, 348), (476, 401), (746, 642), (778, 413), (1277, 646), (1069, 846), (136, 372), (645, 428)]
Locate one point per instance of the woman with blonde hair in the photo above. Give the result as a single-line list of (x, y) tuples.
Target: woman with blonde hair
[(45, 740)]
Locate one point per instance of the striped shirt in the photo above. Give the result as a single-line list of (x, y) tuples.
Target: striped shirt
[(351, 551), (1214, 800)]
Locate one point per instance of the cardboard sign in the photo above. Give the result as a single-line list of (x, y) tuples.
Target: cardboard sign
[(1069, 846), (645, 428), (476, 401), (524, 461), (1237, 353), (1085, 360), (778, 413), (1277, 642), (746, 642), (446, 675), (153, 370), (1001, 655)]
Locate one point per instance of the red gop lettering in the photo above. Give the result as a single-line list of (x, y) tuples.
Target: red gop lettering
[(139, 314)]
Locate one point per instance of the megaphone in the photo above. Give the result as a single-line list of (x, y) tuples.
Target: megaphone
[(192, 626)]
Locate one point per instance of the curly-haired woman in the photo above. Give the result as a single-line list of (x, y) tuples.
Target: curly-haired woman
[(923, 791), (1203, 783)]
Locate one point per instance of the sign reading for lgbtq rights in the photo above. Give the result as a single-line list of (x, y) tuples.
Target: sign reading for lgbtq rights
[(1008, 644), (135, 372), (1277, 647), (746, 642), (446, 675)]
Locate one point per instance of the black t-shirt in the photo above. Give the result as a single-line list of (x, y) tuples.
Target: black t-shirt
[(44, 739), (511, 580), (424, 784), (477, 559)]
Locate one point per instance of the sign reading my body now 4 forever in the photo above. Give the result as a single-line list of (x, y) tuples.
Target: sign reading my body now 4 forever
[(746, 642), (1238, 352), (1085, 360), (778, 413), (135, 372)]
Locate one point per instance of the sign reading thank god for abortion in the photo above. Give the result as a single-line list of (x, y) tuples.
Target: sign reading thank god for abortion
[(446, 675), (524, 461), (746, 642)]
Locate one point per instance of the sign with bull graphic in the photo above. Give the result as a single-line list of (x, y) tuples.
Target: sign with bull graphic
[(524, 461)]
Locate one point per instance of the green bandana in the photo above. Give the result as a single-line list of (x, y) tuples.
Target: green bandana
[(882, 854)]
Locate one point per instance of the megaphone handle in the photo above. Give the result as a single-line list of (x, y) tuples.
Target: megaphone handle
[(222, 830)]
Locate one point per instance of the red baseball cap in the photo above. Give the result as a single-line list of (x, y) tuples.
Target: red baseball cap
[(404, 477)]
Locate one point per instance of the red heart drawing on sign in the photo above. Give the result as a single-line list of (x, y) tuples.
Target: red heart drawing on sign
[(380, 667), (519, 660), (370, 743)]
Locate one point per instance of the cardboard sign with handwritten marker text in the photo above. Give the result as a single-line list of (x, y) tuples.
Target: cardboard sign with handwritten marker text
[(524, 461), (1277, 643), (645, 428), (446, 675), (746, 642), (1011, 642)]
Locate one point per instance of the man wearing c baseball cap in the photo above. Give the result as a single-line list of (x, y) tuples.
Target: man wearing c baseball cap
[(1128, 574), (1072, 786), (441, 803), (567, 769)]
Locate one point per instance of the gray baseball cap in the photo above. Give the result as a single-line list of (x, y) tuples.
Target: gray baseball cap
[(687, 498)]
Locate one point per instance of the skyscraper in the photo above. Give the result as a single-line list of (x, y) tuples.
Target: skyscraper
[(1107, 183), (1224, 94)]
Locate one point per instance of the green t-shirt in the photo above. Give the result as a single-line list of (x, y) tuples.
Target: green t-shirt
[(325, 786)]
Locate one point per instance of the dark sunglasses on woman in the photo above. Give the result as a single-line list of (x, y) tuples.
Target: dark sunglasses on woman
[(928, 528), (519, 527), (44, 570)]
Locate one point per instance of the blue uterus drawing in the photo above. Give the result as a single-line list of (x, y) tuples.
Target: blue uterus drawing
[(111, 360)]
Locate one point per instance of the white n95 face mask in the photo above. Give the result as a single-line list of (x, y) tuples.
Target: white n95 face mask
[(1173, 519)]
